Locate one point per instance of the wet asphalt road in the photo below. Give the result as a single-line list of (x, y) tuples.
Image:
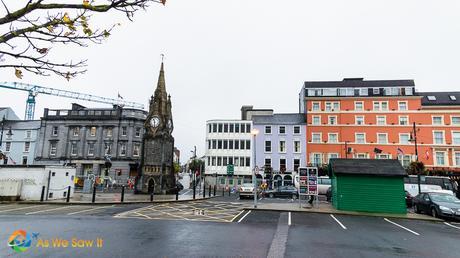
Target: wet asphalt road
[(250, 234)]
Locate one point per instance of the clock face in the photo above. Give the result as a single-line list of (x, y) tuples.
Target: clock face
[(155, 121)]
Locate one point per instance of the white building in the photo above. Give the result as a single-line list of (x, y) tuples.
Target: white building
[(22, 182), (228, 142)]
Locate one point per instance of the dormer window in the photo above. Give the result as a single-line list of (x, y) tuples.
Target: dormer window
[(452, 97), (431, 98)]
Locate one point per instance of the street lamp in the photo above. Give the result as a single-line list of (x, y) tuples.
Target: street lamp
[(413, 138), (254, 133)]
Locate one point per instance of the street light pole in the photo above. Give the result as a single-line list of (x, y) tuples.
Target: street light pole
[(414, 139), (254, 133)]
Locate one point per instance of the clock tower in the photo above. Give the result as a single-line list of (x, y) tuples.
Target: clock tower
[(156, 168)]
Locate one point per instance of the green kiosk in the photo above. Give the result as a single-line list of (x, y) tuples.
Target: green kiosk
[(368, 185)]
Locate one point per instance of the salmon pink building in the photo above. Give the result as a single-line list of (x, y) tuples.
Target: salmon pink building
[(381, 119)]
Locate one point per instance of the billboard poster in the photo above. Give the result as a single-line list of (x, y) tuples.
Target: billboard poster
[(308, 181)]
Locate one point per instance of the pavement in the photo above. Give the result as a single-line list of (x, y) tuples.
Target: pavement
[(112, 232)]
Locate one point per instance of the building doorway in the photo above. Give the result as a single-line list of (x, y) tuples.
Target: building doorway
[(151, 186)]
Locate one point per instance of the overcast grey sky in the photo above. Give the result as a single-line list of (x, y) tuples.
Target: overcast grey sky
[(221, 55)]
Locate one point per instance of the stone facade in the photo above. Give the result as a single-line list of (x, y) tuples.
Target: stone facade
[(157, 170), (87, 138)]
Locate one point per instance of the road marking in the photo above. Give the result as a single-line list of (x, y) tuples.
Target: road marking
[(77, 212), (186, 192), (22, 208), (40, 211), (396, 224), (237, 216), (289, 218), (340, 223), (451, 225), (244, 216), (126, 212)]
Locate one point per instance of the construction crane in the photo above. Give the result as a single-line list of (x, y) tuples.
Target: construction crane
[(34, 90)]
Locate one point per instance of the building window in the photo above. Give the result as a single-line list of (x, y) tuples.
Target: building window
[(219, 144), (316, 106), (122, 149), (438, 137), (237, 128), (360, 138), (332, 156), (54, 131), (332, 106), (268, 146), (296, 129), (53, 148), (317, 159), (361, 156), (219, 128), (124, 131), (107, 148), (28, 134), (224, 161), (316, 120), (359, 105), (248, 162), (382, 156), (408, 91), (437, 120), (381, 120), (405, 160), (76, 131), (456, 120), (230, 128), (402, 105), (359, 120), (403, 120), (136, 148), (382, 138), (7, 146), (296, 146), (282, 165), (243, 128), (376, 91), (404, 138), (282, 130), (248, 144), (219, 161), (91, 149), (138, 132), (73, 149), (24, 160), (92, 131), (380, 105), (457, 159), (282, 146), (248, 128), (268, 162), (26, 146), (109, 132), (237, 144), (332, 120), (268, 129), (440, 158), (225, 144), (332, 138), (225, 128), (214, 128), (456, 138), (296, 164), (230, 144), (316, 137)]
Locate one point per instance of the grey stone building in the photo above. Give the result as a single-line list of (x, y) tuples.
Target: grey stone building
[(86, 137)]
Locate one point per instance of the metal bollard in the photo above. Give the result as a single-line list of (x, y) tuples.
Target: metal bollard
[(177, 194), (151, 196), (122, 193), (43, 194), (204, 191), (209, 193), (223, 191), (194, 189), (215, 189), (94, 194), (229, 191), (68, 194)]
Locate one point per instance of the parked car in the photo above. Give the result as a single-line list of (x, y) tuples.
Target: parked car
[(437, 204), (283, 191), (247, 190), (409, 199)]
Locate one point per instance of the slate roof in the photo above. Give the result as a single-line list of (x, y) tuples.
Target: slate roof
[(280, 119), (377, 167), (442, 98), (358, 83)]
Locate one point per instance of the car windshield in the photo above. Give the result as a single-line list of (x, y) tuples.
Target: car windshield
[(443, 198)]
